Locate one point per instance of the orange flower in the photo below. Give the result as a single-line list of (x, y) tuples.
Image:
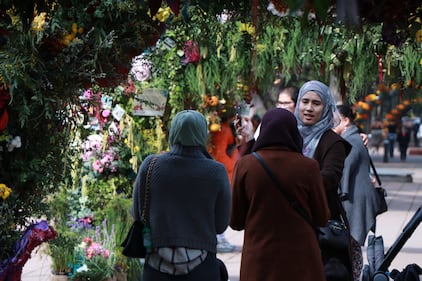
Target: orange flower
[(214, 127), (395, 86), (213, 101), (389, 116), (400, 106), (371, 97)]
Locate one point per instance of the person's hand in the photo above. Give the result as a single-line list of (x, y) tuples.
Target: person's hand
[(364, 139), (246, 130), (374, 181)]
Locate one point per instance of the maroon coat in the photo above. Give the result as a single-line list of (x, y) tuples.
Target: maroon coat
[(278, 243)]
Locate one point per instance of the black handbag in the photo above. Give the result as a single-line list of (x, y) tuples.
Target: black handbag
[(133, 245), (382, 206), (137, 242), (334, 236)]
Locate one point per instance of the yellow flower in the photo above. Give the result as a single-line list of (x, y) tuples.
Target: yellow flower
[(261, 47), (74, 28), (246, 27), (418, 36), (39, 22), (162, 15), (4, 191), (136, 148)]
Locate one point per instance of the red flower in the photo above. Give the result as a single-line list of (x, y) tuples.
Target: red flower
[(191, 51)]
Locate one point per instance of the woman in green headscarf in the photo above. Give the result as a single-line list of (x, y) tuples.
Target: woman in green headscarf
[(189, 204)]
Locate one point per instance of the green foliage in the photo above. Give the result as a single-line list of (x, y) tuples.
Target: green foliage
[(62, 251), (44, 65), (98, 269)]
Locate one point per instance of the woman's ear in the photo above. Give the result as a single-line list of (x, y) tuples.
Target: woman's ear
[(347, 121)]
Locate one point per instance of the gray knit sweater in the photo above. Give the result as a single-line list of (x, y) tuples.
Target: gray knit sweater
[(189, 199)]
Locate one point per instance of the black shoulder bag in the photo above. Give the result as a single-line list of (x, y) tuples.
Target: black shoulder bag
[(380, 191), (138, 240)]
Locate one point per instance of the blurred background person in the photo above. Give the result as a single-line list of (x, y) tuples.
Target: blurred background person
[(248, 129), (391, 136), (403, 138), (357, 191), (223, 147), (377, 135), (416, 126), (287, 98)]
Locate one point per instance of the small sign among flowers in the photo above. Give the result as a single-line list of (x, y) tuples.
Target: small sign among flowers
[(151, 102)]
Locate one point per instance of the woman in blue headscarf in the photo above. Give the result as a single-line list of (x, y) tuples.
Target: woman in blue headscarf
[(317, 116), (189, 204)]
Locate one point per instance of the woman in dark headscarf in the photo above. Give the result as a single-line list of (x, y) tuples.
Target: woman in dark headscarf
[(278, 243), (189, 204)]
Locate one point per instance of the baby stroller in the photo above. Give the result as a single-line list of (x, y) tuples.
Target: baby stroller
[(377, 269)]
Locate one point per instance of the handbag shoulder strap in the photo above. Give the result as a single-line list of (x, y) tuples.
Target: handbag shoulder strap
[(145, 209), (374, 170), (289, 198)]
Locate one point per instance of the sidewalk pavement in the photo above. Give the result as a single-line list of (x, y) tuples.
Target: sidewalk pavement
[(403, 199)]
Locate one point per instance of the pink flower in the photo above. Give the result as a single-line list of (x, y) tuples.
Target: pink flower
[(97, 166), (106, 253), (88, 94), (130, 88), (87, 240), (191, 51), (105, 113)]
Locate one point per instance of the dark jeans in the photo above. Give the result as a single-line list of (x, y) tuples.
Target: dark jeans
[(391, 142), (403, 151)]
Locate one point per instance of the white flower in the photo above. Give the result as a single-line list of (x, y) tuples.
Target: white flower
[(16, 142), (141, 68), (83, 268)]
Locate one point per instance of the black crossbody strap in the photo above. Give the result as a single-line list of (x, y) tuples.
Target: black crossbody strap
[(145, 209), (289, 198), (374, 171)]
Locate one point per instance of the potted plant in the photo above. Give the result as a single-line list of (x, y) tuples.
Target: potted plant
[(95, 256), (61, 250)]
